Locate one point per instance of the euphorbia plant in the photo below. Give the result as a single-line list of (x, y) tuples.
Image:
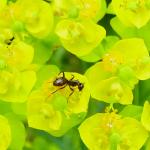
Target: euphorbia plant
[(72, 74)]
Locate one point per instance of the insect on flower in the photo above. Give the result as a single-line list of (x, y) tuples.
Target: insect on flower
[(63, 82), (9, 41)]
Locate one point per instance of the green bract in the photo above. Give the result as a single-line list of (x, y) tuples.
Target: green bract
[(131, 52), (91, 9), (15, 86), (145, 116), (122, 30), (132, 111), (17, 132), (132, 12), (57, 112), (18, 54), (128, 32), (5, 133), (79, 37), (127, 74), (35, 14), (108, 131), (98, 52)]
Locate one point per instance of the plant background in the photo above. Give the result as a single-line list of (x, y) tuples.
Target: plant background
[(40, 140)]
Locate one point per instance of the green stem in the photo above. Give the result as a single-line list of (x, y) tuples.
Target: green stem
[(136, 95)]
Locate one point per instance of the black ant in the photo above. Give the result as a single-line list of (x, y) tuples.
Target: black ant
[(62, 81), (9, 41)]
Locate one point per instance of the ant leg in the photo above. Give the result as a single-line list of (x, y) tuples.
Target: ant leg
[(62, 73), (56, 91), (59, 89), (72, 77), (70, 93), (71, 90)]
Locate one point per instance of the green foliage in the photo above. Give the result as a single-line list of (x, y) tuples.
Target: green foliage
[(17, 132), (132, 111)]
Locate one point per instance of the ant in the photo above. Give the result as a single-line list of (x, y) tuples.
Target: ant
[(9, 41), (62, 81)]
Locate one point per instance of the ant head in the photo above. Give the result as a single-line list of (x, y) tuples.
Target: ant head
[(80, 86)]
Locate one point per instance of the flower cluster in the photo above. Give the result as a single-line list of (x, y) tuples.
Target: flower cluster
[(56, 109), (120, 69), (111, 131), (34, 92)]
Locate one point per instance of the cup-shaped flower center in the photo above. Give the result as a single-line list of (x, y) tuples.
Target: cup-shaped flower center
[(47, 111), (88, 8), (73, 31), (32, 17), (115, 91), (112, 61)]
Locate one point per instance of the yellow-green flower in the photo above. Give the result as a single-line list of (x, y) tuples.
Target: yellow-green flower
[(14, 85), (16, 75), (56, 109), (113, 79), (41, 115), (35, 14), (132, 12), (5, 133), (61, 8), (131, 52), (17, 54), (105, 131), (91, 9), (79, 37), (112, 90), (107, 87)]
